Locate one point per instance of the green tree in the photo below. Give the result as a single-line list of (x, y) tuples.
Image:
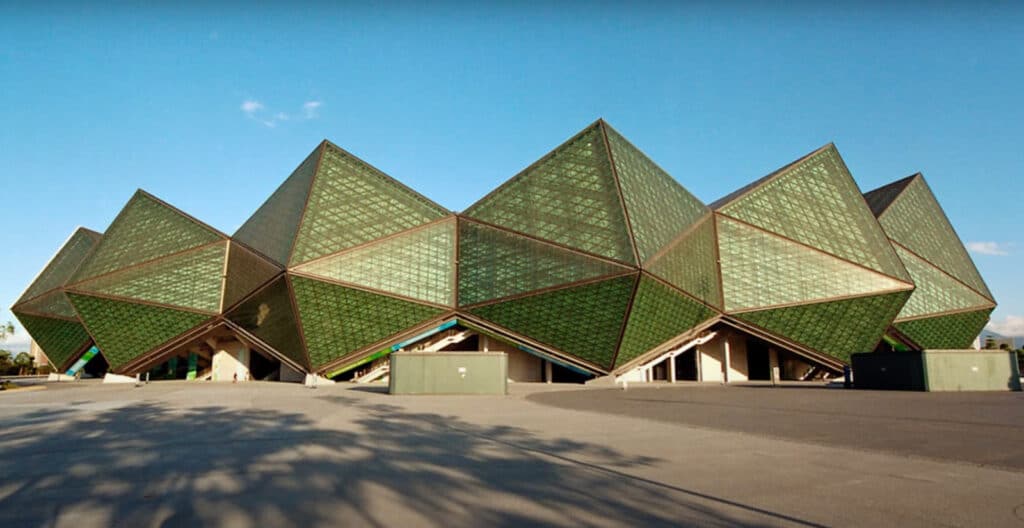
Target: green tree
[(23, 361), (6, 363), (6, 329), (990, 343)]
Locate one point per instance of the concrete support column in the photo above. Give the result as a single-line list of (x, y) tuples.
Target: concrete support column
[(547, 371), (698, 356), (484, 343), (773, 365), (725, 363), (671, 369)]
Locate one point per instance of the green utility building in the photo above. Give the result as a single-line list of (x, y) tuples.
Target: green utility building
[(592, 261)]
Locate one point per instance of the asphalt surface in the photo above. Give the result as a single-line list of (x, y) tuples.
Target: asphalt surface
[(985, 428), (191, 454)]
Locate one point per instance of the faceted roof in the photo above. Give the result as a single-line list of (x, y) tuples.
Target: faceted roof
[(594, 256), (951, 303)]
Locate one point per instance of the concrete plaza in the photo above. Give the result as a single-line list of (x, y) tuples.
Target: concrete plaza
[(265, 454)]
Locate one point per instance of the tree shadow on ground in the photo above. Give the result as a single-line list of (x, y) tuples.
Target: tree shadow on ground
[(156, 464)]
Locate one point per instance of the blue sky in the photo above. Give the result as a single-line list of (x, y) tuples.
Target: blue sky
[(211, 108)]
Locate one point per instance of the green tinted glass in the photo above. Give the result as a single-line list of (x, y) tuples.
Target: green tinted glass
[(569, 197), (658, 314), (583, 321)]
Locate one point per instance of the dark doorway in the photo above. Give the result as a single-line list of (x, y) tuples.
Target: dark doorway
[(97, 367), (686, 366), (758, 360), (263, 368), (560, 374)]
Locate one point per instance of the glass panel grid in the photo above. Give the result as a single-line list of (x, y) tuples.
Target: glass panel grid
[(125, 331), (916, 221), (936, 292), (418, 264), (58, 338), (53, 303), (145, 230), (816, 202), (271, 229), (835, 328), (495, 263), (338, 321), (190, 280), (569, 198), (946, 332), (659, 208), (658, 314), (63, 265), (352, 203), (583, 321), (691, 264), (760, 269)]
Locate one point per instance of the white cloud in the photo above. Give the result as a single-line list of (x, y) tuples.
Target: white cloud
[(256, 111), (251, 106), (987, 248), (310, 109), (1010, 326)]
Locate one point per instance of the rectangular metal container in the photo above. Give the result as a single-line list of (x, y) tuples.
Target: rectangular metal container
[(937, 370), (448, 373)]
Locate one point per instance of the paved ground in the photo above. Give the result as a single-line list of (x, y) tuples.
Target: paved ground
[(980, 428), (260, 454)]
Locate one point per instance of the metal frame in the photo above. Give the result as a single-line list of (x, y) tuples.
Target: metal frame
[(882, 197)]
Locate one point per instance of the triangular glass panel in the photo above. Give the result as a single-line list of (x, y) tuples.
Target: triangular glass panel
[(945, 332), (760, 269), (936, 292), (419, 263), (54, 303), (494, 263), (125, 331), (816, 202), (659, 207), (189, 280), (339, 321), (691, 263), (569, 197), (836, 328), (60, 339), (582, 321), (352, 203), (272, 228), (146, 229), (658, 314), (916, 221), (63, 265), (270, 317), (246, 272)]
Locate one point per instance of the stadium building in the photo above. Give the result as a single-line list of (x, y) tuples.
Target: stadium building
[(591, 262)]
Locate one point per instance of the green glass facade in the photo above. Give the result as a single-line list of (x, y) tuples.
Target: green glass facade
[(951, 303), (592, 255)]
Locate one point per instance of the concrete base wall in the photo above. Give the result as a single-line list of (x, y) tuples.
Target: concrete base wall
[(118, 378), (231, 361), (522, 367), (712, 357), (971, 370)]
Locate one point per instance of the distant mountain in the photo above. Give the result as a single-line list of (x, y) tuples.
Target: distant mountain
[(1015, 342)]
